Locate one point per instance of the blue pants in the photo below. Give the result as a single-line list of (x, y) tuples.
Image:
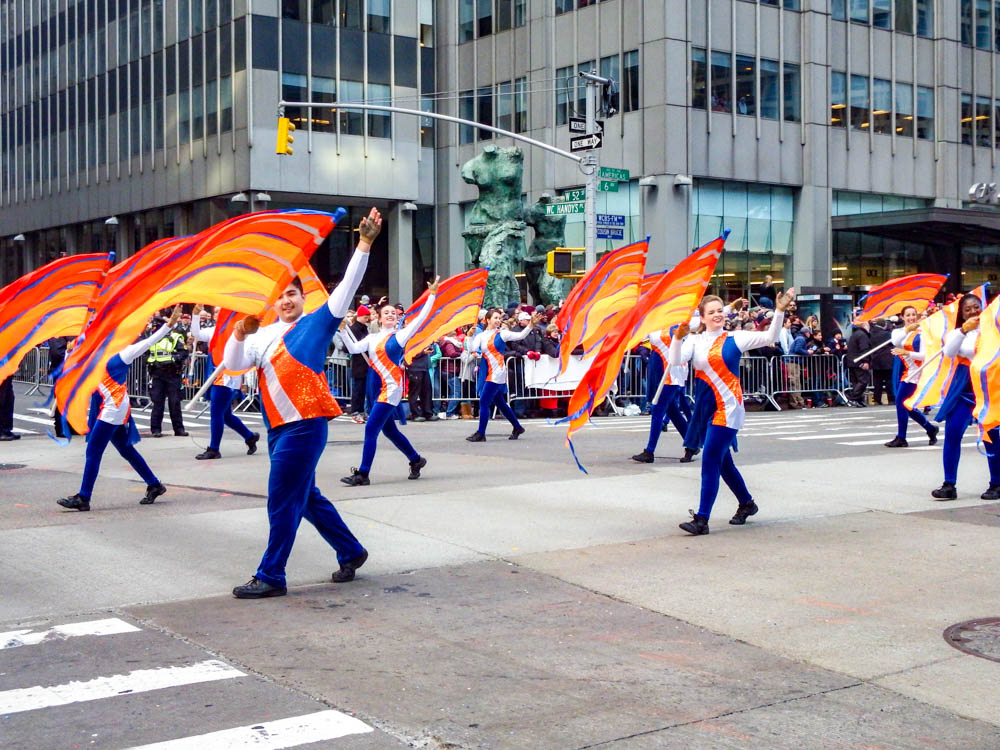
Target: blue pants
[(454, 393), (494, 393), (669, 405), (955, 425), (221, 411), (292, 495), (701, 416), (381, 420), (100, 435), (903, 392), (717, 462)]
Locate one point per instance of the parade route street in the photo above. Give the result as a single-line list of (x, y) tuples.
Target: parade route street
[(510, 601)]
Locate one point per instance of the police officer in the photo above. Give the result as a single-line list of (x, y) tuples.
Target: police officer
[(166, 363)]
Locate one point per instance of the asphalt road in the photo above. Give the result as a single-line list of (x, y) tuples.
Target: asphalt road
[(510, 601)]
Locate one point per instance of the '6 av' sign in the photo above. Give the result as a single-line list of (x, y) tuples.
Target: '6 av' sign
[(984, 192)]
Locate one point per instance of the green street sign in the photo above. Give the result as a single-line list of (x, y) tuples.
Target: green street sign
[(562, 209), (607, 186), (610, 173), (579, 194)]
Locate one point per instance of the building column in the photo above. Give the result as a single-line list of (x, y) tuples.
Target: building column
[(451, 244), (400, 254), (811, 239), (666, 214)]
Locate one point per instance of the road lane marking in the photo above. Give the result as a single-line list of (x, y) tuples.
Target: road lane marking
[(139, 681), (271, 735), (110, 626), (834, 436)]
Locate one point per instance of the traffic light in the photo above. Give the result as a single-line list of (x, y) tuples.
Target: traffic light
[(567, 262), (285, 138)]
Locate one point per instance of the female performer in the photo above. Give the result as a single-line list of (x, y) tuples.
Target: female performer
[(111, 422), (667, 400), (959, 400), (906, 347), (220, 395), (385, 356), (492, 343), (716, 356)]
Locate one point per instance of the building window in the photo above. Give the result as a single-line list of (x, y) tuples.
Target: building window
[(581, 88), (351, 121), (859, 102), (351, 14), (293, 89), (996, 26), (427, 124), (563, 6), (323, 90), (984, 126), (505, 14), (699, 78), (925, 18), (466, 22), (904, 109), (564, 82), (746, 85), (484, 111), (966, 120), (467, 111), (379, 16), (505, 106), (984, 15), (996, 119), (965, 21), (379, 123), (609, 68), (838, 9), (426, 20), (520, 12), (925, 113), (769, 89), (859, 10), (904, 16), (226, 113), (521, 105), (881, 13), (722, 82), (484, 17), (630, 84), (793, 97), (882, 106)]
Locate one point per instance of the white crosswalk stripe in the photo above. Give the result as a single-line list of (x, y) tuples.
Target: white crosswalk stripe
[(109, 626)]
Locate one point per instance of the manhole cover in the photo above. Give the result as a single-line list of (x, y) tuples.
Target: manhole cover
[(8, 467), (976, 637)]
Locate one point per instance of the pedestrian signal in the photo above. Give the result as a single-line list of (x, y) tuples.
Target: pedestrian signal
[(285, 138), (567, 262)]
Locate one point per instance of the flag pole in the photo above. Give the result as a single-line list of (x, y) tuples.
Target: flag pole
[(868, 353), (204, 387), (936, 354)]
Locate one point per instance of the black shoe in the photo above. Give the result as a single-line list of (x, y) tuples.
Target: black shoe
[(208, 455), (419, 419), (897, 442), (153, 491), (182, 433), (346, 572), (945, 492), (688, 456), (357, 478), (75, 502), (433, 418), (644, 458), (156, 434), (992, 493), (516, 433), (257, 589), (697, 526), (932, 434), (8, 436), (252, 443), (743, 512), (416, 466), (476, 437), (665, 428)]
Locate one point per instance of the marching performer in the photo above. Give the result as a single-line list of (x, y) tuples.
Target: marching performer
[(492, 343), (666, 401), (220, 395), (111, 422), (385, 351), (716, 357), (959, 400), (289, 356), (906, 347)]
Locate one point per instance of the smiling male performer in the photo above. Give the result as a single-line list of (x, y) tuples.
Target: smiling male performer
[(289, 356)]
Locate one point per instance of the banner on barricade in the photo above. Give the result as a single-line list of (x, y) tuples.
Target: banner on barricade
[(544, 372)]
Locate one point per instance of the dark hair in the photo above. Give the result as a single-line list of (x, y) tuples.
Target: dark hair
[(960, 318), (297, 283), (908, 307), (492, 311)]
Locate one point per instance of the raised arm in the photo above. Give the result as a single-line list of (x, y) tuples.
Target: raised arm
[(405, 334), (197, 332), (353, 345), (747, 340), (341, 298), (681, 350), (132, 352), (234, 357), (953, 342), (508, 335)]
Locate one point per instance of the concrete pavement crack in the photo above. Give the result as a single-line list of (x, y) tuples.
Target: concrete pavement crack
[(605, 743)]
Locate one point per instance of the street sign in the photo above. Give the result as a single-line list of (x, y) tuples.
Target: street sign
[(610, 173), (610, 220), (610, 233), (579, 194), (608, 186), (562, 209), (586, 142), (578, 125)]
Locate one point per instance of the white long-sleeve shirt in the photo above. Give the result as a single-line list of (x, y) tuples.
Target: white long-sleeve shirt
[(204, 335), (911, 360), (959, 344), (114, 393), (485, 342)]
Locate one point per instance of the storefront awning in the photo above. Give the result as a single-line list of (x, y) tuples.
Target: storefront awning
[(944, 227)]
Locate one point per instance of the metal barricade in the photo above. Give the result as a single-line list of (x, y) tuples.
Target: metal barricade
[(448, 388), (757, 378), (805, 375), (29, 370)]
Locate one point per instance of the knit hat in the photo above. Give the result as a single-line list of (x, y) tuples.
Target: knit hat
[(523, 316), (362, 310)]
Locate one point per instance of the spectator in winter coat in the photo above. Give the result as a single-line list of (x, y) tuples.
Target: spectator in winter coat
[(450, 365), (420, 392), (881, 362), (859, 343), (359, 365)]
